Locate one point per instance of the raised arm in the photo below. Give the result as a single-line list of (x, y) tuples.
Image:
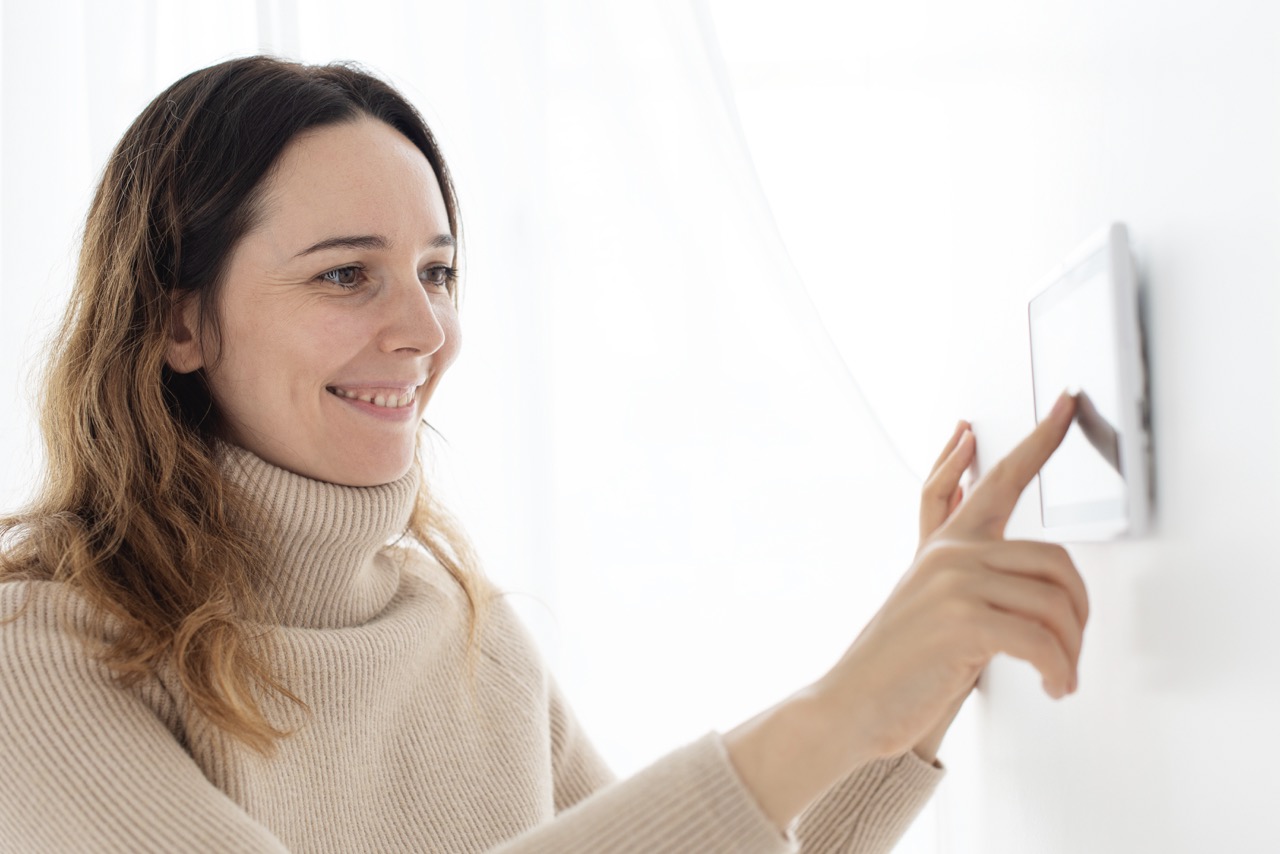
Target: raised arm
[(694, 800), (969, 595)]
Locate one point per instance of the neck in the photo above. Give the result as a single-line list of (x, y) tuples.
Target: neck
[(330, 569)]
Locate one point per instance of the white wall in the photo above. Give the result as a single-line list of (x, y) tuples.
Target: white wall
[(1166, 116), (971, 147)]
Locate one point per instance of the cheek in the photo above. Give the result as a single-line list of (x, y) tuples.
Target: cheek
[(280, 350)]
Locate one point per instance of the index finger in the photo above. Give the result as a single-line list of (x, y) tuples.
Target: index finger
[(992, 499)]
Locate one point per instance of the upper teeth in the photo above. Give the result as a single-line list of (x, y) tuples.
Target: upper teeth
[(389, 400)]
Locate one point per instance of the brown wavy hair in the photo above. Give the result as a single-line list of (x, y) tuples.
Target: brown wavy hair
[(134, 513)]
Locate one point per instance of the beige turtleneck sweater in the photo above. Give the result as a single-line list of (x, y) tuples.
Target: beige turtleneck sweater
[(400, 754)]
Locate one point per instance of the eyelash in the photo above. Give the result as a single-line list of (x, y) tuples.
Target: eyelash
[(450, 276)]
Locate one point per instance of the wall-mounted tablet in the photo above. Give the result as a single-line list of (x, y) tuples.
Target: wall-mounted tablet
[(1086, 336)]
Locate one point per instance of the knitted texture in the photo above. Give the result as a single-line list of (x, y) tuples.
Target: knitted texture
[(402, 751)]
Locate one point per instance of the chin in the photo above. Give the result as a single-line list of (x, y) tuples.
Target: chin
[(375, 471)]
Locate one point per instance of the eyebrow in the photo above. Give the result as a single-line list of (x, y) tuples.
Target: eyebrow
[(367, 241)]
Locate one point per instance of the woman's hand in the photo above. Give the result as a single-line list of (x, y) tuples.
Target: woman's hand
[(969, 595)]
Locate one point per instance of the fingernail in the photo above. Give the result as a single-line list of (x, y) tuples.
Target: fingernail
[(1064, 400)]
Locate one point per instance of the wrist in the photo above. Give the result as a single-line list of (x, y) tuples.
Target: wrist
[(928, 746), (927, 751), (789, 755)]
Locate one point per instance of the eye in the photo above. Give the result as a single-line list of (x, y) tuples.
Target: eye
[(441, 276), (347, 277)]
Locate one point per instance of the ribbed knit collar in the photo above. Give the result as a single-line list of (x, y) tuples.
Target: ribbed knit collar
[(329, 570)]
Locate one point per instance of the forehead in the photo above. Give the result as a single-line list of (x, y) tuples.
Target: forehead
[(361, 177)]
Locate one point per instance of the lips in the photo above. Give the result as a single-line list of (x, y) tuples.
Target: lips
[(388, 397)]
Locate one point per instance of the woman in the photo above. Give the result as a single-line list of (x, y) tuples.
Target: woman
[(235, 619)]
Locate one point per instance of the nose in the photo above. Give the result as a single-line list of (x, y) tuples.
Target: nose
[(411, 317)]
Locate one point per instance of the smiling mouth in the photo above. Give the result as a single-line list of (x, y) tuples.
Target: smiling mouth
[(388, 398)]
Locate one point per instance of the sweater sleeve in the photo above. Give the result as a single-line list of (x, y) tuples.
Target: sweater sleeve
[(88, 765), (688, 802), (693, 800), (868, 811)]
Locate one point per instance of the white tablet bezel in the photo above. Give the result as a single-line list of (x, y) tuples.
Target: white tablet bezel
[(1077, 523)]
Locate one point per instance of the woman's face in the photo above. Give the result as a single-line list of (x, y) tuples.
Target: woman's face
[(336, 317)]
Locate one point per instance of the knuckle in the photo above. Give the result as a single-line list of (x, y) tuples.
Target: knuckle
[(944, 553), (1048, 598), (1060, 551), (1062, 558), (988, 638), (933, 488), (969, 614), (1058, 604), (952, 583), (1050, 651)]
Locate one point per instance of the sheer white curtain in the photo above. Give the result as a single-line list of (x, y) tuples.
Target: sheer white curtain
[(649, 433)]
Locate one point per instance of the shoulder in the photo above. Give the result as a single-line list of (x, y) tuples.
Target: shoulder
[(416, 562), (503, 632), (506, 635), (52, 641), (49, 629), (506, 648), (509, 653), (36, 605)]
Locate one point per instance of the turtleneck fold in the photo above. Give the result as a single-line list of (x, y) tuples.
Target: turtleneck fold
[(330, 569)]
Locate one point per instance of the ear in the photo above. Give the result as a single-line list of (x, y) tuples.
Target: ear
[(185, 353)]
